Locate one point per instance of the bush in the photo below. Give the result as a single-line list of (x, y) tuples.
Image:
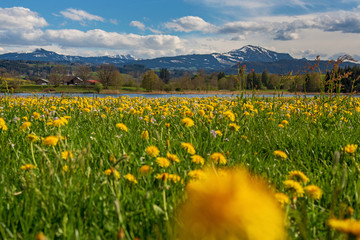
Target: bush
[(98, 87)]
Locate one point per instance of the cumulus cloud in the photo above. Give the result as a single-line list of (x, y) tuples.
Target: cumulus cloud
[(138, 25), (80, 15), (20, 18), (189, 24)]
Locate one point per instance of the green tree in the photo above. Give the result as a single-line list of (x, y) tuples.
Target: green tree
[(150, 81), (165, 75), (106, 74)]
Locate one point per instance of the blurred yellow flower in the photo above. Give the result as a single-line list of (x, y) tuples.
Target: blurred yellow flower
[(145, 169), (122, 126), (197, 174), (188, 147), (172, 157), (3, 124), (348, 226), (188, 122), (50, 141), (197, 159), (229, 115), (163, 162), (234, 126), (295, 186), (230, 205), (67, 154), (166, 176), (32, 138), (218, 158), (112, 172), (313, 192), (145, 135), (350, 148), (130, 178), (282, 198), (27, 167), (25, 125), (298, 175), (152, 151), (281, 154)]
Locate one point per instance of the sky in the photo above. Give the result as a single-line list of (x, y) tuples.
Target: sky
[(155, 28)]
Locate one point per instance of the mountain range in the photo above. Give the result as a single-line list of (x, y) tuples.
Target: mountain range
[(255, 57)]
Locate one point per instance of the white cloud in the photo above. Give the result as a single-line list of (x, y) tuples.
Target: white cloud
[(80, 15), (138, 25), (20, 18), (113, 21), (189, 24)]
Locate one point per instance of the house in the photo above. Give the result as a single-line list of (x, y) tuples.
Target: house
[(41, 81), (92, 82), (71, 80)]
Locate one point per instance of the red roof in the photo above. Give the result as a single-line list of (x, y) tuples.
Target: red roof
[(92, 81)]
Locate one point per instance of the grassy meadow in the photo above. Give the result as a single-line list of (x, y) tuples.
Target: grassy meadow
[(143, 168)]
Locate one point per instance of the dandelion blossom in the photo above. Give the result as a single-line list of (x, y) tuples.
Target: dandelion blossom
[(145, 135), (229, 115), (295, 186), (313, 192), (122, 126), (130, 178), (145, 169), (350, 148), (188, 147), (32, 138), (197, 174), (27, 167), (3, 125), (298, 175), (349, 226), (163, 162), (234, 126), (282, 198), (218, 158), (25, 125), (170, 177), (112, 172), (231, 205), (50, 141), (172, 157), (188, 122), (197, 159), (281, 154), (66, 155), (152, 151)]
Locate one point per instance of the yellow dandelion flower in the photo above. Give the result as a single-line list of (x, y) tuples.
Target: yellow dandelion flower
[(3, 125), (201, 112), (32, 138), (350, 148), (231, 205), (197, 174), (234, 126), (152, 151), (218, 158), (65, 168), (67, 154), (167, 125), (229, 115), (298, 175), (218, 133), (197, 159), (27, 167), (36, 115), (188, 122), (295, 186), (145, 135), (130, 178), (348, 226), (170, 177), (284, 122), (112, 159), (172, 157), (25, 125), (122, 126), (145, 169), (313, 192), (281, 154), (188, 147), (282, 198), (163, 162), (112, 172), (50, 141), (281, 126)]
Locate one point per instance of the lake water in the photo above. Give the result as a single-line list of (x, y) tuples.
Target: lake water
[(144, 95)]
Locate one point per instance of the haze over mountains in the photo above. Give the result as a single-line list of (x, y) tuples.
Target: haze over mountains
[(254, 57)]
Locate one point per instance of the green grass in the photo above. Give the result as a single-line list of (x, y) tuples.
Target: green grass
[(84, 203)]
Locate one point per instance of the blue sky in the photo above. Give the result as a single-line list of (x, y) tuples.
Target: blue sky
[(148, 29)]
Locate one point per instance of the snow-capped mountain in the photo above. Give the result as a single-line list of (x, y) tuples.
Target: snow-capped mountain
[(49, 56)]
